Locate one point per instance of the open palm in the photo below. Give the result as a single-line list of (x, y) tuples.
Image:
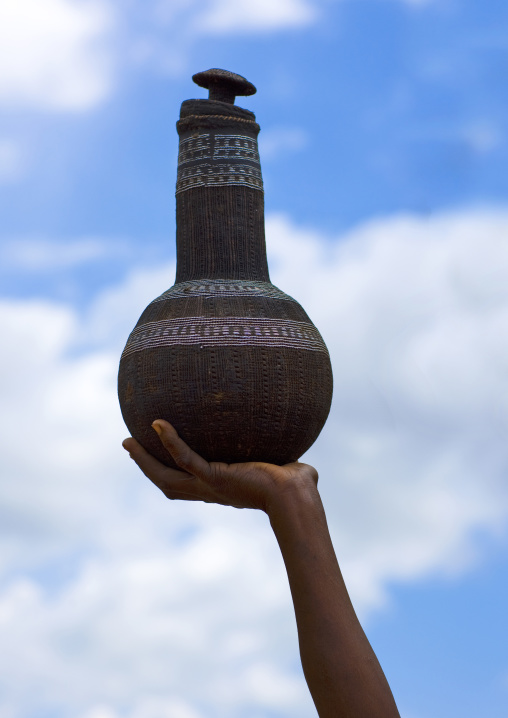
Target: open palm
[(250, 485)]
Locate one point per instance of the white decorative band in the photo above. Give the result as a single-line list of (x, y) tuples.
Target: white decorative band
[(225, 331), (223, 288), (213, 160), (235, 147), (218, 174), (214, 147), (195, 148)]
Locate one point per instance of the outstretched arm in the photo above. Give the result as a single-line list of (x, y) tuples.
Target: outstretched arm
[(341, 669)]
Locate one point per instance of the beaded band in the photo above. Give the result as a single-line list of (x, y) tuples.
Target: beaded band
[(223, 288), (214, 159), (218, 117), (224, 331)]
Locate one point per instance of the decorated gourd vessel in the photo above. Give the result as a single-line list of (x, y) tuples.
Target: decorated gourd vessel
[(233, 362)]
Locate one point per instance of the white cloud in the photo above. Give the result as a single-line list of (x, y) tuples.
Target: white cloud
[(413, 458), (107, 596), (277, 141), (483, 137), (112, 315), (43, 255), (207, 17), (227, 16), (117, 604), (12, 161), (65, 55), (54, 54), (169, 30)]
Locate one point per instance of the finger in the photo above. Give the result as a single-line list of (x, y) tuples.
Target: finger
[(184, 457), (173, 483), (157, 472)]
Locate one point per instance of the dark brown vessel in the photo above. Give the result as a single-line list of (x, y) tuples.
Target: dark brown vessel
[(230, 360)]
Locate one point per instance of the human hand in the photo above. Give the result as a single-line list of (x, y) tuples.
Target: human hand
[(252, 485)]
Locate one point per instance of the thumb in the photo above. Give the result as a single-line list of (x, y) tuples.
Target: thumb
[(184, 457)]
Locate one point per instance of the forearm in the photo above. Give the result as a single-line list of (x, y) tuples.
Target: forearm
[(341, 669)]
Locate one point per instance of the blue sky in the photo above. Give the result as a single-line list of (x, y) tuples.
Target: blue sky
[(384, 154)]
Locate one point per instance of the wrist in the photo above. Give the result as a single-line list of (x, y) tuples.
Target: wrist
[(295, 498)]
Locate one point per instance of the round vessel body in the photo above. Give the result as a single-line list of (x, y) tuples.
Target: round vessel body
[(231, 361), (236, 366)]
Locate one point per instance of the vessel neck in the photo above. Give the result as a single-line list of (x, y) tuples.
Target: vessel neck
[(219, 194)]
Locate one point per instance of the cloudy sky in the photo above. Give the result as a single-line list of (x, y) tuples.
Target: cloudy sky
[(384, 152)]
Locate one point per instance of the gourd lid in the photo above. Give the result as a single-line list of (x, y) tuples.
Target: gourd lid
[(223, 85)]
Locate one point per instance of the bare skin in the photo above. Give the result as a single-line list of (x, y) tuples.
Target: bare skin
[(341, 669)]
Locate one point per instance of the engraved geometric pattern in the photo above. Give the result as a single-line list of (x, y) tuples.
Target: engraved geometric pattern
[(240, 331), (223, 288)]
